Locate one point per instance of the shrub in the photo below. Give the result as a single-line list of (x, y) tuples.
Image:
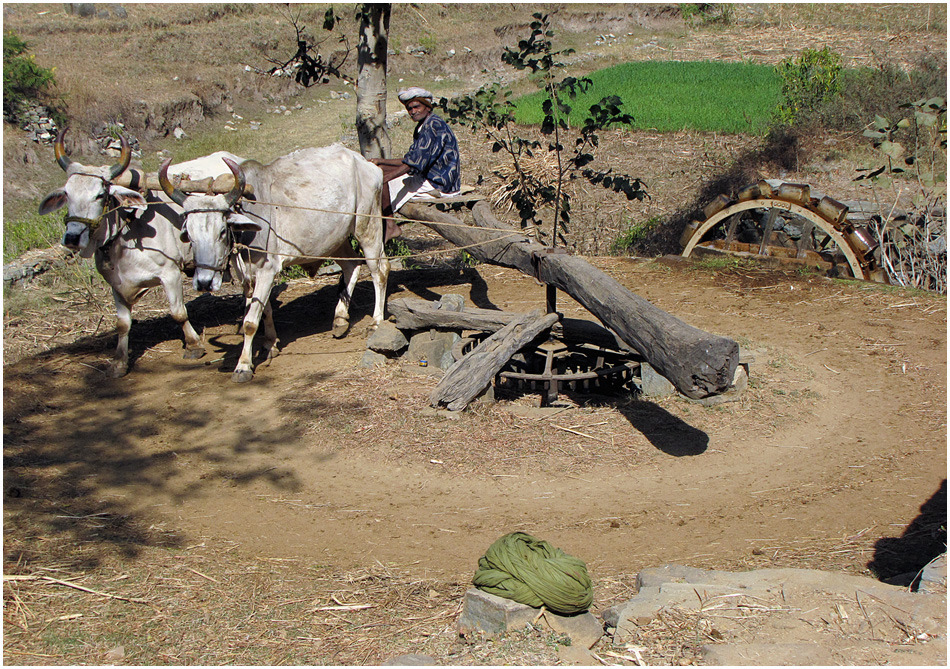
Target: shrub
[(490, 111), (807, 82), (706, 13), (633, 235), (23, 80), (878, 91)]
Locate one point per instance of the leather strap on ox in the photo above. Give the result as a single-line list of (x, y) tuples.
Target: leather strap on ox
[(532, 572)]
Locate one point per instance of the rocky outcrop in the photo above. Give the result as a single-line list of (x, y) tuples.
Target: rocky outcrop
[(787, 616)]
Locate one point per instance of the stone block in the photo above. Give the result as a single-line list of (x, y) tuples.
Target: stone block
[(576, 656), (433, 346), (933, 580), (329, 269), (372, 359), (492, 615), (452, 302), (387, 339), (583, 629), (652, 384)]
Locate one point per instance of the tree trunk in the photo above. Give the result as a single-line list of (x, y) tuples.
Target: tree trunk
[(371, 80), (698, 363)]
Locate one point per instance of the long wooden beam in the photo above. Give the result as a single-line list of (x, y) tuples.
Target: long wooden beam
[(699, 364)]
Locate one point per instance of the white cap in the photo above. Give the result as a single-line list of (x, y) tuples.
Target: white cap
[(416, 93)]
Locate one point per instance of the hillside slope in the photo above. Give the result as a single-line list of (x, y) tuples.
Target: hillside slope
[(196, 67)]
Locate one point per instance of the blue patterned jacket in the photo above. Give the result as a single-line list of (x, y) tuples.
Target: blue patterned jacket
[(434, 154)]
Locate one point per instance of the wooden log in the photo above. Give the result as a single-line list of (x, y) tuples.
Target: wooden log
[(141, 181), (411, 313), (414, 314), (698, 363), (468, 377)]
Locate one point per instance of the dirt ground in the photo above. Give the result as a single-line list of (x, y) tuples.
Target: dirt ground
[(827, 461), (325, 514)]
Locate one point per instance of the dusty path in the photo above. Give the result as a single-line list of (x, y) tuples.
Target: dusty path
[(839, 441)]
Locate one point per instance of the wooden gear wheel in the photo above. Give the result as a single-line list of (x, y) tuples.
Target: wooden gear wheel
[(784, 221)]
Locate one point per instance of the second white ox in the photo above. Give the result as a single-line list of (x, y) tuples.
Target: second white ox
[(305, 207), (134, 238)]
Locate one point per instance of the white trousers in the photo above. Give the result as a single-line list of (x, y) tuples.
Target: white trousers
[(408, 186)]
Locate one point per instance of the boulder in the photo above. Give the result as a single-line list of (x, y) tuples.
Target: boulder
[(387, 339)]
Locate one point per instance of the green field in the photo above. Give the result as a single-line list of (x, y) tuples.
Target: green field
[(672, 96)]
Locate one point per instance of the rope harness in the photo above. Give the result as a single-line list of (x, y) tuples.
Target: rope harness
[(532, 572), (402, 219)]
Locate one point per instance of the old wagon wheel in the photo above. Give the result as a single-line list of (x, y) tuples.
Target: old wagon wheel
[(783, 221)]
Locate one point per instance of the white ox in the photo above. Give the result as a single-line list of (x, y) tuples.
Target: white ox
[(136, 241), (305, 207)]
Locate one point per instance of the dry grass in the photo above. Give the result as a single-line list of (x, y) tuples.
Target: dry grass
[(201, 604)]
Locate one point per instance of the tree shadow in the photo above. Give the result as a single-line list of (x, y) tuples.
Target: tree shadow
[(82, 450), (900, 560), (665, 431)]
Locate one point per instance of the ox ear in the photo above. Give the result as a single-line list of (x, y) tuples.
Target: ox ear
[(243, 223), (126, 197), (53, 201)]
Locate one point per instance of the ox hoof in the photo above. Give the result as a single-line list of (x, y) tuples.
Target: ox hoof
[(193, 353), (118, 369), (340, 328), (242, 376)]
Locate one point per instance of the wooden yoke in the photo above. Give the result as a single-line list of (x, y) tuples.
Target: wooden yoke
[(698, 363), (141, 181)]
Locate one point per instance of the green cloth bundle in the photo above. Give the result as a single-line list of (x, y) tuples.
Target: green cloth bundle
[(532, 572)]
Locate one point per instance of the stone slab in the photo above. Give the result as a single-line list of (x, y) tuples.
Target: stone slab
[(491, 615), (433, 346), (410, 660), (777, 600), (933, 580), (387, 339), (652, 384), (767, 654), (576, 656), (373, 359), (584, 629)]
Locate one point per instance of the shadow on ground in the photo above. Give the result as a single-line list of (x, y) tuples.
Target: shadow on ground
[(900, 560)]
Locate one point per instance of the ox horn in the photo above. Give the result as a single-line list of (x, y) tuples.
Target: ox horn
[(176, 194), (235, 193), (59, 150), (124, 159)]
